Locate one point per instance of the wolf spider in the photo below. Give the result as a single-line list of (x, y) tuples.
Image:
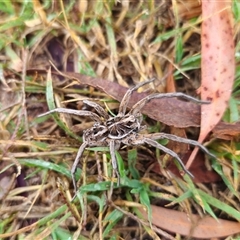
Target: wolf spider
[(124, 128)]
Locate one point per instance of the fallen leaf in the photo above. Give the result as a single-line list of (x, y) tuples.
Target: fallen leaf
[(7, 181), (227, 131), (188, 9), (218, 64), (170, 111), (198, 169), (56, 51), (177, 147), (191, 226), (58, 55)]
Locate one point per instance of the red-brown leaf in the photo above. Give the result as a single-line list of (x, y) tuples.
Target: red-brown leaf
[(227, 131), (198, 169), (171, 111)]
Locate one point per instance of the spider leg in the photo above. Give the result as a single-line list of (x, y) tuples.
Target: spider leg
[(98, 108), (127, 96), (92, 115), (114, 161), (168, 151), (139, 105), (156, 136), (76, 161)]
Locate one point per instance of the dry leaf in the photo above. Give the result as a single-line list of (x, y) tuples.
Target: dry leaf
[(179, 222), (218, 64), (177, 147), (198, 169), (227, 131), (171, 111)]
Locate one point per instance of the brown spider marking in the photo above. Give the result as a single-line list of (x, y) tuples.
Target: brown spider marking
[(124, 128)]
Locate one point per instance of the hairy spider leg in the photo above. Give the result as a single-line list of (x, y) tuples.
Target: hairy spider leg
[(139, 105), (76, 161), (127, 96), (113, 158), (168, 151), (92, 115), (98, 108), (156, 136)]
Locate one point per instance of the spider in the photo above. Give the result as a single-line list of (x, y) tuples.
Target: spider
[(124, 128)]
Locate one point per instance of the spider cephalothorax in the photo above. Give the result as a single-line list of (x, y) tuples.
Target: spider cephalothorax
[(124, 128)]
